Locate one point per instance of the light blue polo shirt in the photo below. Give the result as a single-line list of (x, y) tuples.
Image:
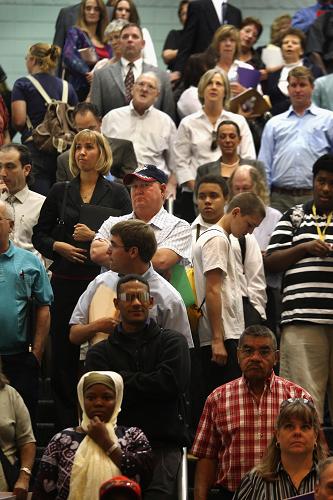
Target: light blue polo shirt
[(22, 275)]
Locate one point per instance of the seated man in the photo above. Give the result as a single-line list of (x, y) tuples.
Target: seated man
[(173, 235), (133, 244), (124, 162), (155, 366), (238, 420)]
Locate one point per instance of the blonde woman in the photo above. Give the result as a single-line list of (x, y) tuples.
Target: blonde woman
[(290, 466), (90, 159), (195, 142), (41, 62)]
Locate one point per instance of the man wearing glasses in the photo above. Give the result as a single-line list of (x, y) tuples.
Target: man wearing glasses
[(152, 131), (155, 366), (239, 417)]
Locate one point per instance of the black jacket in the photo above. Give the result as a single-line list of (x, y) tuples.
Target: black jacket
[(201, 24), (155, 366), (106, 194)]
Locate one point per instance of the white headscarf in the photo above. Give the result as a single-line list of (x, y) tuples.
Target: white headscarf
[(91, 465)]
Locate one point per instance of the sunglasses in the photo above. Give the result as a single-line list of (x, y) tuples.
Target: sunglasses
[(142, 297), (291, 401)]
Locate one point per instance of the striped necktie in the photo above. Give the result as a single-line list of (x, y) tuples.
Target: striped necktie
[(224, 13), (129, 82)]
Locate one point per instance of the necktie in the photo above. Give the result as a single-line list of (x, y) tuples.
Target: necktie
[(129, 82), (224, 13), (11, 199)]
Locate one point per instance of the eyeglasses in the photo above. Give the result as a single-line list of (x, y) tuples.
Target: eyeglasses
[(263, 352), (130, 297), (143, 85), (213, 145), (291, 401)]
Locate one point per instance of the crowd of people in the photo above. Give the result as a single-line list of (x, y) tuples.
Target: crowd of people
[(167, 237)]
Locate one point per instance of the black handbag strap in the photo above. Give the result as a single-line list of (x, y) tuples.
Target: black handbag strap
[(63, 205)]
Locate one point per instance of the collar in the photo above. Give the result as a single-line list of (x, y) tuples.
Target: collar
[(125, 62), (280, 468), (311, 109), (10, 252), (149, 273), (156, 219), (269, 382), (200, 222), (134, 111), (21, 196)]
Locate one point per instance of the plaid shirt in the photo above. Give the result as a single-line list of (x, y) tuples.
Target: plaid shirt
[(235, 430)]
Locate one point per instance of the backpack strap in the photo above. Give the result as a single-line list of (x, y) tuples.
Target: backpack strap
[(64, 97), (242, 244), (40, 89)]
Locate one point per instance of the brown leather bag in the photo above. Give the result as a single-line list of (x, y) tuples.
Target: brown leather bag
[(56, 132)]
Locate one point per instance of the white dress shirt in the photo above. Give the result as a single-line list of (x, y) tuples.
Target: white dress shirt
[(218, 7), (251, 275), (137, 67), (152, 134), (26, 205)]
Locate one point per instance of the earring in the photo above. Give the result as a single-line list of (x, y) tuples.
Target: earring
[(277, 444)]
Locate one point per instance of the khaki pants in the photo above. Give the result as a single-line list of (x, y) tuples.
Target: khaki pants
[(307, 359)]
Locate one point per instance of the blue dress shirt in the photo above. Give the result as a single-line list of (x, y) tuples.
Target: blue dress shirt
[(291, 144)]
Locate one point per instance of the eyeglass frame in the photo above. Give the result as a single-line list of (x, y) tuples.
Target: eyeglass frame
[(268, 351)]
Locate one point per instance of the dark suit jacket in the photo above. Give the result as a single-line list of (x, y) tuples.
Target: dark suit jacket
[(108, 89), (124, 160), (201, 24), (214, 167), (106, 194)]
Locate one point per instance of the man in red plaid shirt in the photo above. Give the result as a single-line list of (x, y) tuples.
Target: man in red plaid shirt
[(238, 419)]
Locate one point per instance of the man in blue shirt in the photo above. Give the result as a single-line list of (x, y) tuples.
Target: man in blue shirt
[(293, 141), (306, 16), (22, 277)]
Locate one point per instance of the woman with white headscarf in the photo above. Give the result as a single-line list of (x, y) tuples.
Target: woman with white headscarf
[(77, 460)]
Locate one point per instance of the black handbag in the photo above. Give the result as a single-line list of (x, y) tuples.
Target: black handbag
[(58, 232), (10, 471)]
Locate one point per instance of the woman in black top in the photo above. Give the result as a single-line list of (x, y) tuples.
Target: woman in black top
[(68, 246)]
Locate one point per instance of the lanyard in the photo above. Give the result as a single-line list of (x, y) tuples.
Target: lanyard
[(321, 234)]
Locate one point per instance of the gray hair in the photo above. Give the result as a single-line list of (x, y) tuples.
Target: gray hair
[(151, 74), (8, 210), (258, 331), (114, 26), (323, 466)]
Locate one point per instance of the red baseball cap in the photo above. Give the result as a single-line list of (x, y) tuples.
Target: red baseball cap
[(120, 483)]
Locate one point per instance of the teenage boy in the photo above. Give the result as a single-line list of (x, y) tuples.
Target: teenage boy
[(218, 286)]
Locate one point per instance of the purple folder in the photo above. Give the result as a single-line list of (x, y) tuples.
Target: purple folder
[(248, 77), (306, 496)]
